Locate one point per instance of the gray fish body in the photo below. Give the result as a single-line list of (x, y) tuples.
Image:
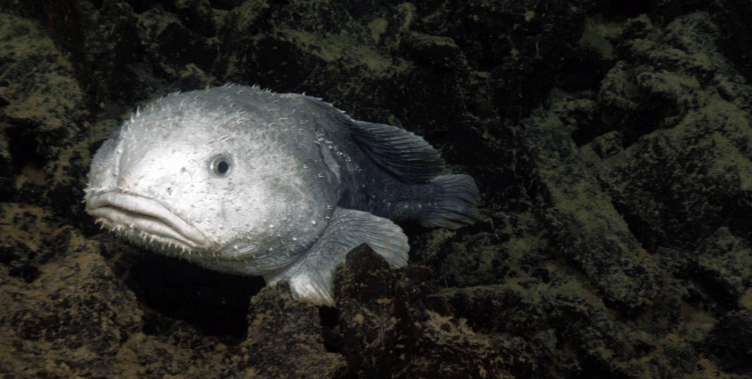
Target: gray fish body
[(250, 182)]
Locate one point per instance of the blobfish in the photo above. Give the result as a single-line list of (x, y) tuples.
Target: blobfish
[(250, 182)]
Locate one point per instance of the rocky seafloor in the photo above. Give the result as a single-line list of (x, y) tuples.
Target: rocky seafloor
[(612, 145)]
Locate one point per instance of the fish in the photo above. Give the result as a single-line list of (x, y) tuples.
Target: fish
[(246, 181)]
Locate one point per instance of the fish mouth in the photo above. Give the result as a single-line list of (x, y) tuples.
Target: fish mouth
[(147, 221)]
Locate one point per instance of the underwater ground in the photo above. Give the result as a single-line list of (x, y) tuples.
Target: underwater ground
[(612, 145)]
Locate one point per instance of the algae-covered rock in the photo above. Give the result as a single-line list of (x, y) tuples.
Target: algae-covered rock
[(612, 147)]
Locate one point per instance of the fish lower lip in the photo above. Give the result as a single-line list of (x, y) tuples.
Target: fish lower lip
[(116, 208)]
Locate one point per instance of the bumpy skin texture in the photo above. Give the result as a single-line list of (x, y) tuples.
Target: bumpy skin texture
[(250, 182)]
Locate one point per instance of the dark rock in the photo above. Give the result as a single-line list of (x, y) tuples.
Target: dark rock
[(389, 331), (364, 292), (284, 339), (731, 341)]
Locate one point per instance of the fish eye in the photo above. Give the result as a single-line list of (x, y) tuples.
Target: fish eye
[(220, 165)]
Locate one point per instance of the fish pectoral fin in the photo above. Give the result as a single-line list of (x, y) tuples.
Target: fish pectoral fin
[(402, 154), (312, 276)]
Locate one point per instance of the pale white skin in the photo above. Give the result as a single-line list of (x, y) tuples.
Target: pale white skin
[(251, 182), (160, 184)]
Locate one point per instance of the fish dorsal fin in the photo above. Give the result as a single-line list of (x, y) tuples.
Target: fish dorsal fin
[(404, 155)]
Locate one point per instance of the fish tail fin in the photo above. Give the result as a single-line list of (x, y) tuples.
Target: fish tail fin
[(454, 202)]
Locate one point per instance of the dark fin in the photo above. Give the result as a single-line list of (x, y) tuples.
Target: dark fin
[(407, 157), (454, 202), (312, 276)]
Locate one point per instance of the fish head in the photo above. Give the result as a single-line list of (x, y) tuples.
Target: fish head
[(226, 189)]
